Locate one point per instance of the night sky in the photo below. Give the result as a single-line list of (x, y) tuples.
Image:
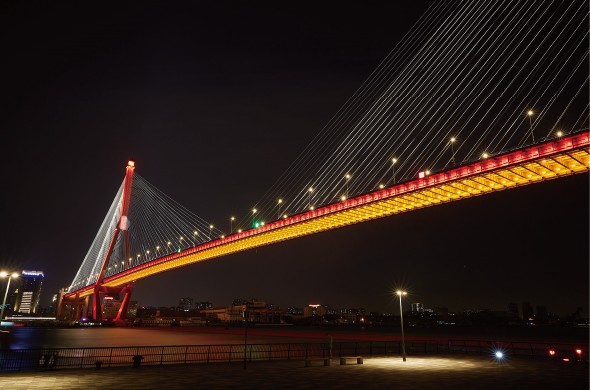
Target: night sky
[(213, 102)]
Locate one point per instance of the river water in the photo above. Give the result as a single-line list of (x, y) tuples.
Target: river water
[(31, 337)]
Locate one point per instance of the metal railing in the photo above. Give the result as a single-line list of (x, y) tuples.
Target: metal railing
[(61, 358)]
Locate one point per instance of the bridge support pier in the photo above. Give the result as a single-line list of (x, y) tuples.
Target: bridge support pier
[(124, 293)]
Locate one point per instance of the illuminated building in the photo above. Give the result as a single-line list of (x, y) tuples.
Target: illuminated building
[(527, 312), (417, 307), (186, 303), (27, 300), (314, 311)]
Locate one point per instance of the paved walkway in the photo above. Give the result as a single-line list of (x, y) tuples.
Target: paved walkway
[(376, 373)]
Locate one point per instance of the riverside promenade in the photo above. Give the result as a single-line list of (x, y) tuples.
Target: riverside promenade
[(439, 372)]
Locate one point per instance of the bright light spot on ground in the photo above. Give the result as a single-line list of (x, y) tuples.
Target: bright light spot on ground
[(426, 363)]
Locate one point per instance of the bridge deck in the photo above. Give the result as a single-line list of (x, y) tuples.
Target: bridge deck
[(549, 160)]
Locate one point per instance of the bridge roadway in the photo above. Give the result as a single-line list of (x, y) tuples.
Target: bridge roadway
[(544, 161)]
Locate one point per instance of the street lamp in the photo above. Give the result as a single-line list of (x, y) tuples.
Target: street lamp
[(309, 192), (4, 274), (452, 141), (530, 114), (254, 211), (347, 179), (401, 316), (279, 201), (210, 229), (231, 224), (393, 161)]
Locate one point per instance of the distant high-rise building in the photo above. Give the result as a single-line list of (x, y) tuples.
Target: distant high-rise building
[(27, 300), (186, 303), (527, 311), (513, 310), (542, 316), (417, 308), (314, 311)]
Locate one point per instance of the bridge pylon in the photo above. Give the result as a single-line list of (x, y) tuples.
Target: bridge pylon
[(122, 226)]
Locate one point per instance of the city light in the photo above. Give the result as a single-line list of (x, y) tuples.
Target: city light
[(499, 354)]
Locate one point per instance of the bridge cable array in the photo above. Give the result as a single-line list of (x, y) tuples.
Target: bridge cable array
[(470, 79)]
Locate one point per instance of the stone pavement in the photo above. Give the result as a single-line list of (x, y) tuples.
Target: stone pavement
[(440, 372)]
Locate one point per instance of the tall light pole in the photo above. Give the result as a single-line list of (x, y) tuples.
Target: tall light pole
[(347, 179), (4, 274), (530, 114), (401, 316), (210, 231), (246, 315), (309, 192), (279, 201), (254, 211), (393, 161), (231, 224), (452, 141)]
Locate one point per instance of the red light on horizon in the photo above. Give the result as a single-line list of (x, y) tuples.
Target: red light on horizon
[(579, 351), (566, 360), (131, 163), (552, 352)]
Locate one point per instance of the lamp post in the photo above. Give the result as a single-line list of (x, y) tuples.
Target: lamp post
[(246, 315), (393, 161), (231, 224), (401, 316), (452, 141), (210, 231), (347, 179), (279, 201), (309, 192), (254, 211), (4, 274), (530, 115)]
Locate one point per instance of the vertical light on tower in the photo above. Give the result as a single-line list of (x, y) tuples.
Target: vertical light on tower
[(4, 274), (401, 316)]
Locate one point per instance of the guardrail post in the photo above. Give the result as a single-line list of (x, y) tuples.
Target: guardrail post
[(208, 353), (162, 356), (269, 352), (230, 353), (82, 360), (289, 351), (185, 354)]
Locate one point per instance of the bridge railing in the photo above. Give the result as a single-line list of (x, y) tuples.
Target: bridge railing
[(63, 358)]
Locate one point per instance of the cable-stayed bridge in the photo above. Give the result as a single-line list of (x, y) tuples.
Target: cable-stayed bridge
[(477, 98)]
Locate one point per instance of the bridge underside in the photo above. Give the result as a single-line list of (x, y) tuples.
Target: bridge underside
[(546, 161)]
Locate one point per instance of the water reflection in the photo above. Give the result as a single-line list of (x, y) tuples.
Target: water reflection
[(28, 337)]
